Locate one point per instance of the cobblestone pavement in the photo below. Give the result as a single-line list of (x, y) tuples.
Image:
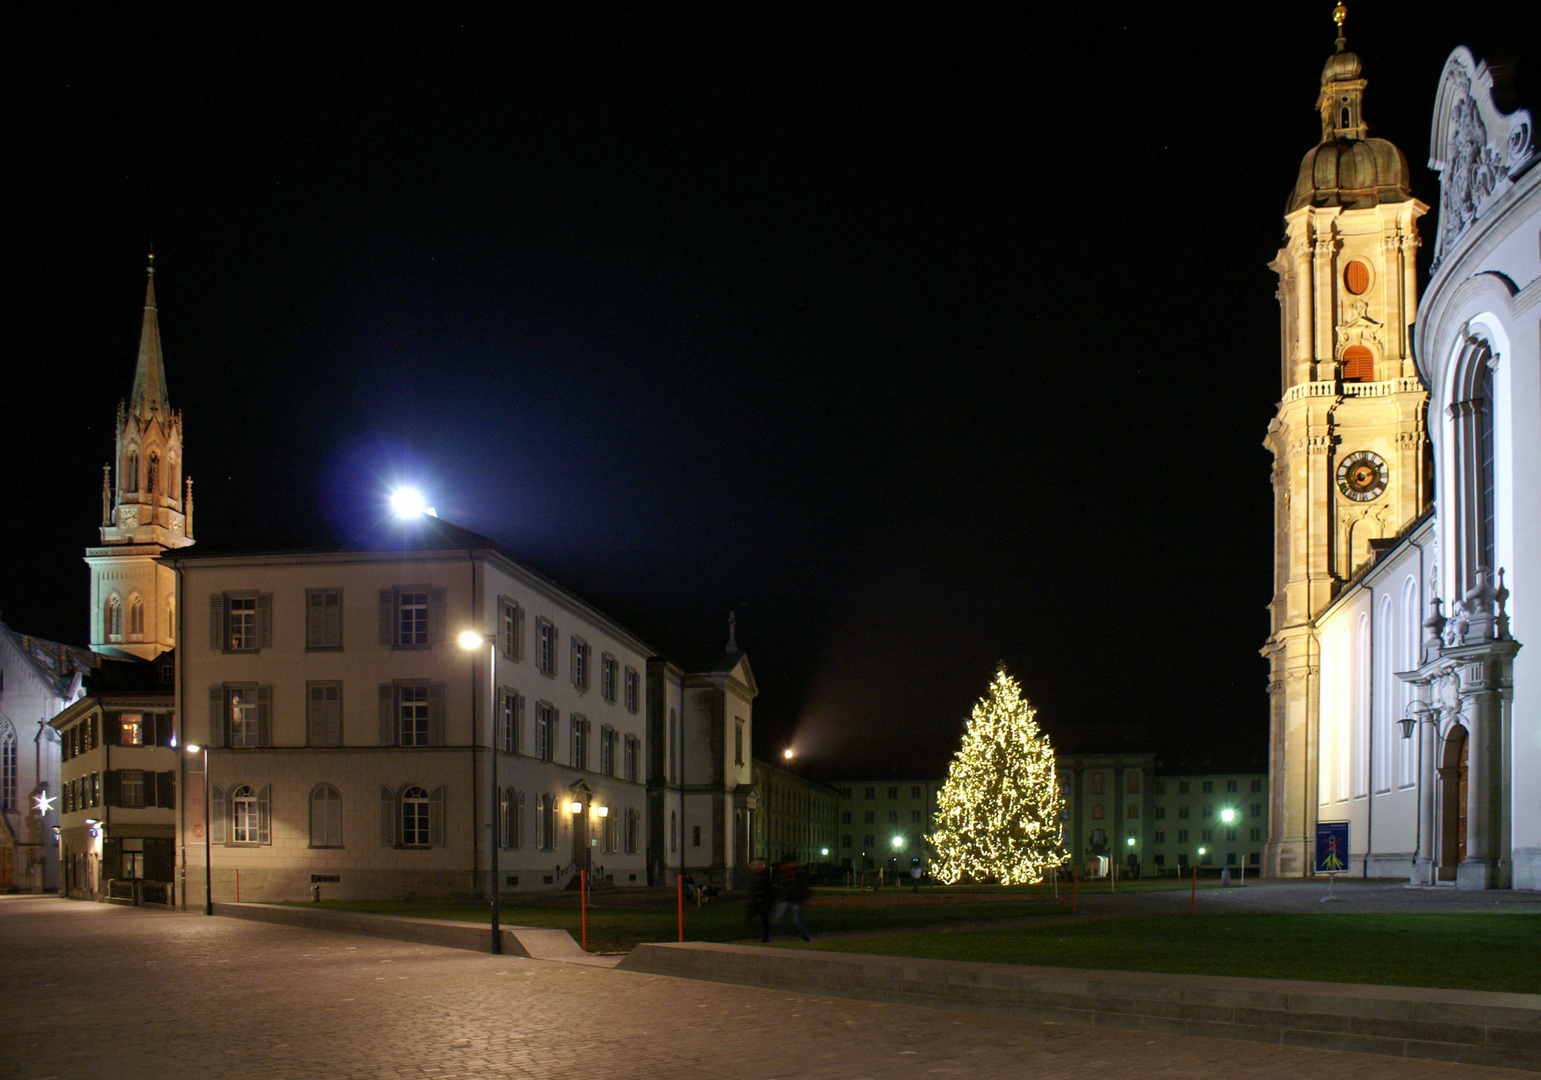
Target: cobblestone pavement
[(127, 992)]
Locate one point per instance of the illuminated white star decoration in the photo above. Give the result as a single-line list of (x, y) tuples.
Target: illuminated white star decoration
[(43, 803), (998, 814)]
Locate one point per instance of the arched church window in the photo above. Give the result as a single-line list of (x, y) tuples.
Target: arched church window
[(131, 471), (1358, 364), (152, 474), (1486, 478), (1344, 121), (114, 618), (7, 766), (136, 617)]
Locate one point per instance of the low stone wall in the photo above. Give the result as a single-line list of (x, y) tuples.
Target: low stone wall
[(1448, 1025)]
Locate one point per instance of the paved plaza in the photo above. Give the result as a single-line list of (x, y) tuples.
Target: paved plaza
[(127, 992)]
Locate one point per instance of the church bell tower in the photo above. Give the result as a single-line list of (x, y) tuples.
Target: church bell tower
[(1351, 452), (147, 508)]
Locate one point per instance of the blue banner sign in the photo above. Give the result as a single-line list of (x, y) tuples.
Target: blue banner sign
[(1331, 847)]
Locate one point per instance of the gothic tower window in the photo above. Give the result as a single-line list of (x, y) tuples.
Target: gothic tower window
[(152, 474), (1486, 480), (136, 617), (115, 618), (7, 766), (131, 472)]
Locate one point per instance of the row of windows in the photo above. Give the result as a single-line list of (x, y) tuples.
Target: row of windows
[(411, 713), (117, 729), (1205, 835), (128, 788), (869, 817), (1208, 786), (916, 792), (128, 478), (1208, 811)]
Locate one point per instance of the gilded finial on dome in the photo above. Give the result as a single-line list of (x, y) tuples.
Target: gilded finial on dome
[(1340, 13)]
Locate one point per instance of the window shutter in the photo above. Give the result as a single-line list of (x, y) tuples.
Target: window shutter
[(217, 622), (216, 815), (110, 787), (166, 790), (387, 716), (216, 716), (436, 818), (264, 716), (315, 619), (264, 807), (436, 714), (387, 616), (161, 723), (147, 788), (387, 817), (112, 728), (437, 599), (265, 621)]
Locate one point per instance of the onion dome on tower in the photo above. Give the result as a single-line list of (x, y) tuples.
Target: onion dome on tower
[(1348, 168)]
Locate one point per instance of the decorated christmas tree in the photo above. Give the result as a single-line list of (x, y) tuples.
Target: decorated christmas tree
[(998, 816)]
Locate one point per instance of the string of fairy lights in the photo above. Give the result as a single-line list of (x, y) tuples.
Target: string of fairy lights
[(998, 814)]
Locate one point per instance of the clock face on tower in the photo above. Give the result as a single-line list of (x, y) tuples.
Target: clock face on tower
[(1362, 476)]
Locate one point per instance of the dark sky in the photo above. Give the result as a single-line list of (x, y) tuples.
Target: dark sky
[(926, 337)]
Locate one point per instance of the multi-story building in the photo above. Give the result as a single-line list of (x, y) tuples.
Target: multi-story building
[(883, 823), (1187, 820), (353, 742), (1107, 804), (118, 785), (797, 816)]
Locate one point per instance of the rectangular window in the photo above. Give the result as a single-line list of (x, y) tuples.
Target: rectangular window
[(609, 673), (1158, 813), (1160, 837), (545, 731), (1207, 835), (915, 792), (1182, 811), (412, 616), (845, 817), (738, 743), (512, 719), (323, 619), (580, 748), (1132, 785), (1230, 785), (893, 817), (869, 840), (545, 822), (893, 793), (131, 788), (240, 622), (1160, 787), (633, 752), (1257, 834), (845, 840), (580, 662), (633, 686), (1098, 783), (323, 714), (1097, 812), (545, 646), (325, 817), (131, 729), (1257, 809), (247, 716), (872, 793), (915, 817), (412, 720), (1182, 787), (1209, 787), (607, 743), (1134, 811), (696, 835), (1182, 836), (510, 629), (871, 816), (1209, 811), (1257, 785)]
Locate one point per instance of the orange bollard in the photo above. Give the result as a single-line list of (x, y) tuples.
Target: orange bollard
[(1075, 891), (1193, 903), (679, 898)]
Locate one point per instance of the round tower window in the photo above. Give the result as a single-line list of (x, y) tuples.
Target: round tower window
[(1356, 277)]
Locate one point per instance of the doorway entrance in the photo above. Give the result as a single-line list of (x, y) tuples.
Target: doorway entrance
[(1452, 803)]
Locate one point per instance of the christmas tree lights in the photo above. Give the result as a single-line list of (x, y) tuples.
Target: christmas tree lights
[(998, 814)]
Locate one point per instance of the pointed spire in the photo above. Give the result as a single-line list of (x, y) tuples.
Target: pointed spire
[(1340, 13), (149, 397), (732, 632)]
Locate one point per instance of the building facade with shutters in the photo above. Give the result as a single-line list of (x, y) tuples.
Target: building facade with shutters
[(798, 817), (118, 786), (355, 744)]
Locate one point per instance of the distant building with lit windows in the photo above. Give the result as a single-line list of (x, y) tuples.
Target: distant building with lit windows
[(797, 816), (883, 823)]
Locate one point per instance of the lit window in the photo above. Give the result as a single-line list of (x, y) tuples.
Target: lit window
[(131, 729), (241, 622), (245, 719)]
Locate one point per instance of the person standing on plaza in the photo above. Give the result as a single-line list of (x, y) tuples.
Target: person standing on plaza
[(792, 887)]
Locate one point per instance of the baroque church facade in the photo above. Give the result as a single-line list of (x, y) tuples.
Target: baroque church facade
[(1406, 472)]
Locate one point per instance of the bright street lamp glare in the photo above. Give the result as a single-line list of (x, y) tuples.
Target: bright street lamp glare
[(787, 753), (470, 639), (193, 748), (1227, 816), (898, 841), (408, 503)]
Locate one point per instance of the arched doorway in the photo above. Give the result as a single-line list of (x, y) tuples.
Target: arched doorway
[(1452, 803)]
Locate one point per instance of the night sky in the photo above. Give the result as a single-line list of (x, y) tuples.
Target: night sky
[(924, 337)]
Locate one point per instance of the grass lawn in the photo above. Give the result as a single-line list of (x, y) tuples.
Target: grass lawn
[(1026, 926), (1455, 951)]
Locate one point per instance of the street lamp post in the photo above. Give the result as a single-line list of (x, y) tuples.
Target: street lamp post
[(1227, 815), (471, 640), (208, 846)]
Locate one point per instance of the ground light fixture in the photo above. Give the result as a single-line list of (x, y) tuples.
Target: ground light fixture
[(470, 641), (208, 838)]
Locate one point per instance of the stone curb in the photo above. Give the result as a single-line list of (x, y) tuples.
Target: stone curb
[(532, 942), (1472, 1027)]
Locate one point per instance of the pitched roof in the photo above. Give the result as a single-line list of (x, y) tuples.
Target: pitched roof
[(59, 666)]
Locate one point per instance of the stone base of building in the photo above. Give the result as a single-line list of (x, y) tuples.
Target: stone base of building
[(1391, 864), (1526, 868), (1476, 874)]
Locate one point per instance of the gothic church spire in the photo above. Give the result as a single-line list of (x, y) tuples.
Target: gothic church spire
[(149, 396)]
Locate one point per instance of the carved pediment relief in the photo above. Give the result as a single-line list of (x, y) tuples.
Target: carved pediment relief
[(1357, 328), (1476, 149)]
